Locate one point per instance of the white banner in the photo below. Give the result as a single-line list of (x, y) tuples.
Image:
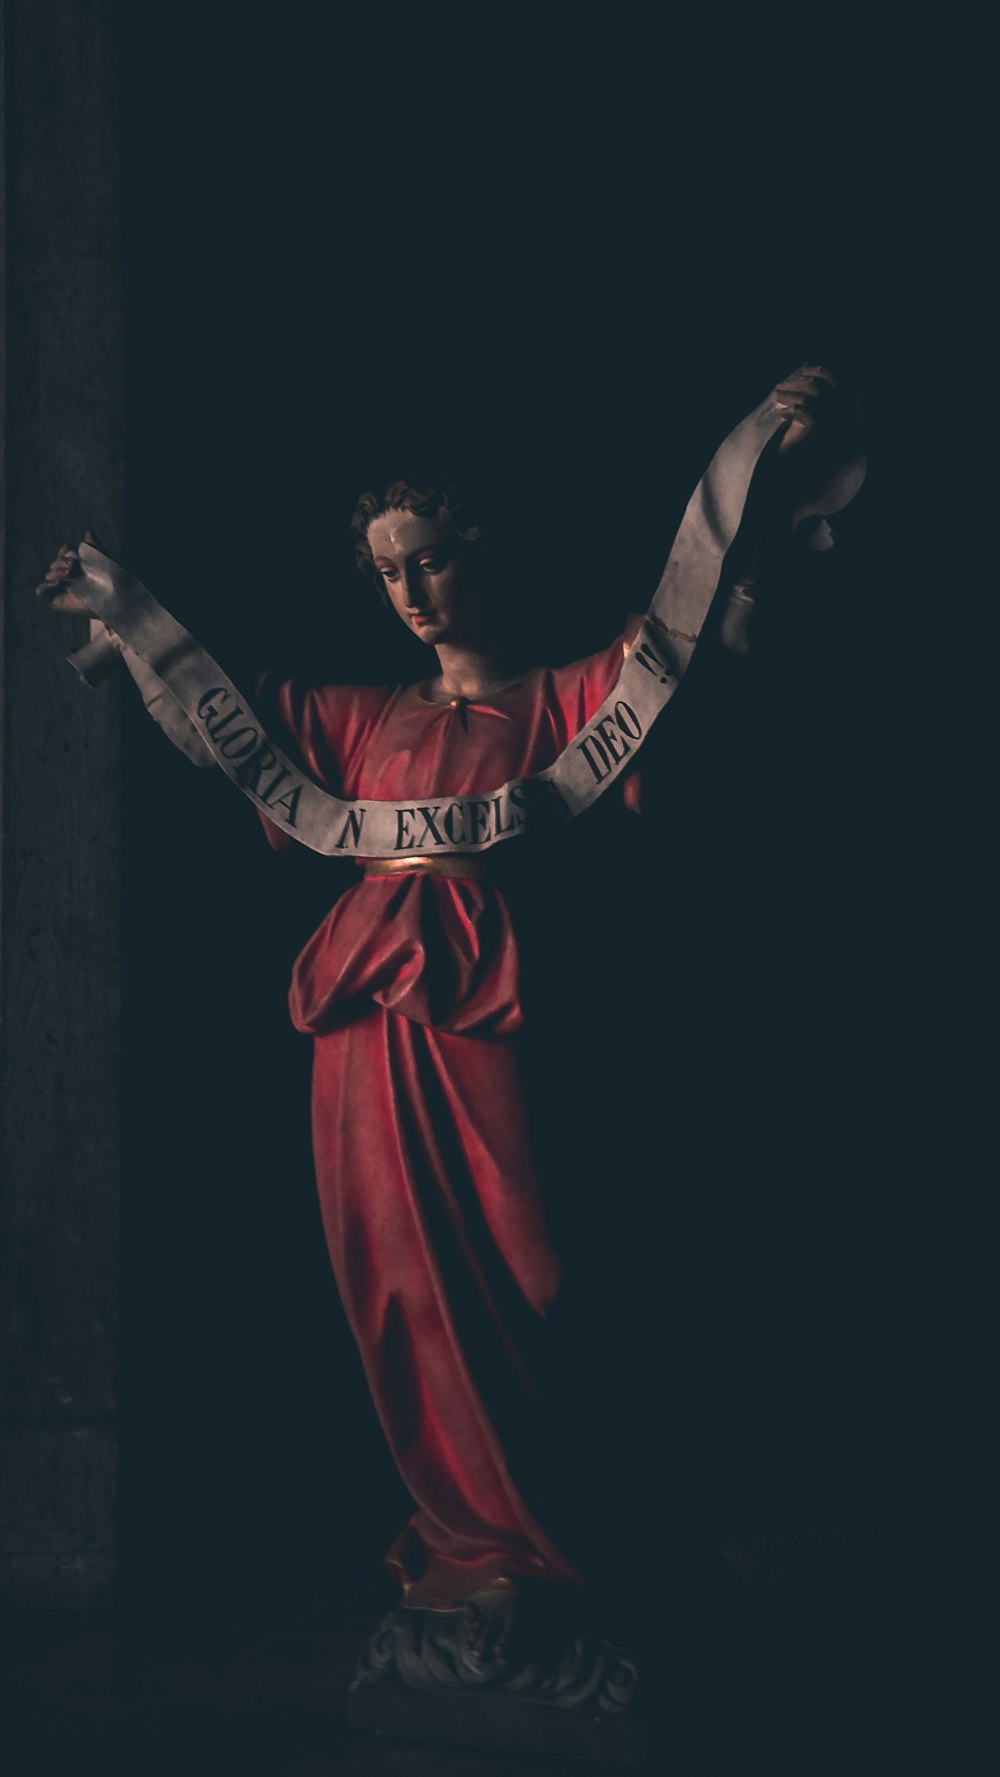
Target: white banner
[(220, 722)]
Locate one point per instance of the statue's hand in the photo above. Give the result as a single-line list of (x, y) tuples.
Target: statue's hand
[(818, 402), (56, 590)]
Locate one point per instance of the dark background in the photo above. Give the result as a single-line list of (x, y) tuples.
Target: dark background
[(568, 261)]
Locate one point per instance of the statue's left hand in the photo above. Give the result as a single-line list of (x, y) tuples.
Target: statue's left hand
[(56, 590), (815, 401)]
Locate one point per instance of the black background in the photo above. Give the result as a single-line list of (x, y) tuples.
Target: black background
[(567, 258)]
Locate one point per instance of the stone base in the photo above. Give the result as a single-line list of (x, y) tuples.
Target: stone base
[(505, 1671), (492, 1722)]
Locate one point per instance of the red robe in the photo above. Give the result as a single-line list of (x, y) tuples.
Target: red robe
[(433, 1209)]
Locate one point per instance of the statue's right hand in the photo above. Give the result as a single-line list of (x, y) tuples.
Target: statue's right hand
[(56, 590)]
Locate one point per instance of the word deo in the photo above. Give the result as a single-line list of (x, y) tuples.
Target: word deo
[(611, 740)]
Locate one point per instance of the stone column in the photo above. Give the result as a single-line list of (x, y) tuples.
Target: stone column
[(61, 357)]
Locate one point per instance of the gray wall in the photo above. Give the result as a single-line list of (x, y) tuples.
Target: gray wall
[(61, 342)]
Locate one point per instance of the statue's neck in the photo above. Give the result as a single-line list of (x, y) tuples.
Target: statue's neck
[(473, 670)]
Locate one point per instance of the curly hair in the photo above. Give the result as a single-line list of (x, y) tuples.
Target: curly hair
[(444, 502)]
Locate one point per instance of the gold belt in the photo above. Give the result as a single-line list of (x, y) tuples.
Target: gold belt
[(450, 864)]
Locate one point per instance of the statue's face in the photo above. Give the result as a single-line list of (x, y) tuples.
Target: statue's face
[(433, 588)]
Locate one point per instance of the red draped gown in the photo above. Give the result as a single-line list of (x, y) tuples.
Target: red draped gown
[(432, 1205)]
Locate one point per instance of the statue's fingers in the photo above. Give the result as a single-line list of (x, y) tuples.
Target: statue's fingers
[(810, 386), (800, 428), (822, 370), (60, 598), (67, 561), (795, 408)]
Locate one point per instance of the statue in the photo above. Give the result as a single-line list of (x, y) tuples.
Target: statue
[(433, 1205)]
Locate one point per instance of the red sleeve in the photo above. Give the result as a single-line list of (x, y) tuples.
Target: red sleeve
[(324, 728), (581, 689)]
